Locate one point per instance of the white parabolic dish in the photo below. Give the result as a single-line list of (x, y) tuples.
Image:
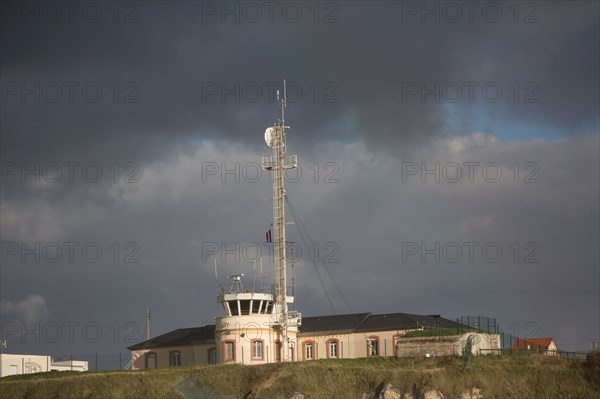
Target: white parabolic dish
[(269, 136)]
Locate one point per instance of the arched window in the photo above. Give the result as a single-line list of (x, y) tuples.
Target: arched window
[(212, 355), (257, 349), (150, 360), (175, 358), (333, 347), (308, 350), (277, 352), (229, 351), (373, 346)]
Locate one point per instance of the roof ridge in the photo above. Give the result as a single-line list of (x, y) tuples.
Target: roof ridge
[(335, 315)]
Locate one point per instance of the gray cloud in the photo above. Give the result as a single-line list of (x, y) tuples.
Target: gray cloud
[(178, 212), (351, 191), (32, 309)]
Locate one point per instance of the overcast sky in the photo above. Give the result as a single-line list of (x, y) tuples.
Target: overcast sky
[(448, 153)]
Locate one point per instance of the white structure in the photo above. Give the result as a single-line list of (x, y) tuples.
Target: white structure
[(262, 319), (13, 364), (23, 364), (69, 365)]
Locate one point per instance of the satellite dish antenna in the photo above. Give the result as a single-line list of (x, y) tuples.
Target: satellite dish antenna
[(269, 136)]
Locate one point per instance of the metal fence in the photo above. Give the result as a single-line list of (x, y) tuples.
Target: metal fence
[(95, 361), (526, 352), (479, 324), (488, 325)]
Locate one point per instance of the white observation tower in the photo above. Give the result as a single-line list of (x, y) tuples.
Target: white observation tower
[(257, 326)]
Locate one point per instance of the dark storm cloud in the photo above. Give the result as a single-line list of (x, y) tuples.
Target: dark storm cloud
[(173, 54), (157, 117)]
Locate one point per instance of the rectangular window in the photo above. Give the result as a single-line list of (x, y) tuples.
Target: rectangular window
[(333, 349), (212, 356), (309, 351), (277, 351), (151, 360), (373, 347), (257, 350), (176, 359), (229, 351)]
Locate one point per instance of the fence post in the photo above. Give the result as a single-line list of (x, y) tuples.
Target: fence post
[(96, 362), (120, 361)]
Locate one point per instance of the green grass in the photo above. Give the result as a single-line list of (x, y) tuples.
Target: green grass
[(524, 376)]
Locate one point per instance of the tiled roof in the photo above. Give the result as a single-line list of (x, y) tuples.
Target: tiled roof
[(180, 337), (361, 322), (532, 343), (333, 324), (403, 321)]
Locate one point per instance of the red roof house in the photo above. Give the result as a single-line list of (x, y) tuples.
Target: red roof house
[(545, 345)]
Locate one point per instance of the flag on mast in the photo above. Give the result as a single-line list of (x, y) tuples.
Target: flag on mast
[(268, 236)]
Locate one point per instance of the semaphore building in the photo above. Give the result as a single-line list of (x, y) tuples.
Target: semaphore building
[(257, 326), (249, 342)]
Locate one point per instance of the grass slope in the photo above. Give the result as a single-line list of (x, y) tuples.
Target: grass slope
[(515, 376)]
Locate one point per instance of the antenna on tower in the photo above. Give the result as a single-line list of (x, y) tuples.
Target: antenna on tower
[(283, 105), (253, 276), (278, 163), (293, 280), (216, 276), (147, 324), (263, 277)]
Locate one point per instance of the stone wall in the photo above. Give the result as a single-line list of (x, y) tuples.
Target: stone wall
[(449, 345)]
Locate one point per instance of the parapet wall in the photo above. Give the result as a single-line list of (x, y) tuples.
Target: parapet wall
[(449, 345)]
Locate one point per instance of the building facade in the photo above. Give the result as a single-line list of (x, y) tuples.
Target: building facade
[(15, 364), (323, 337)]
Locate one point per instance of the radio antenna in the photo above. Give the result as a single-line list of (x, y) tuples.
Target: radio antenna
[(216, 276)]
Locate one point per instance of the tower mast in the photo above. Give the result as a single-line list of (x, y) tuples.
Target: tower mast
[(147, 324), (278, 163)]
